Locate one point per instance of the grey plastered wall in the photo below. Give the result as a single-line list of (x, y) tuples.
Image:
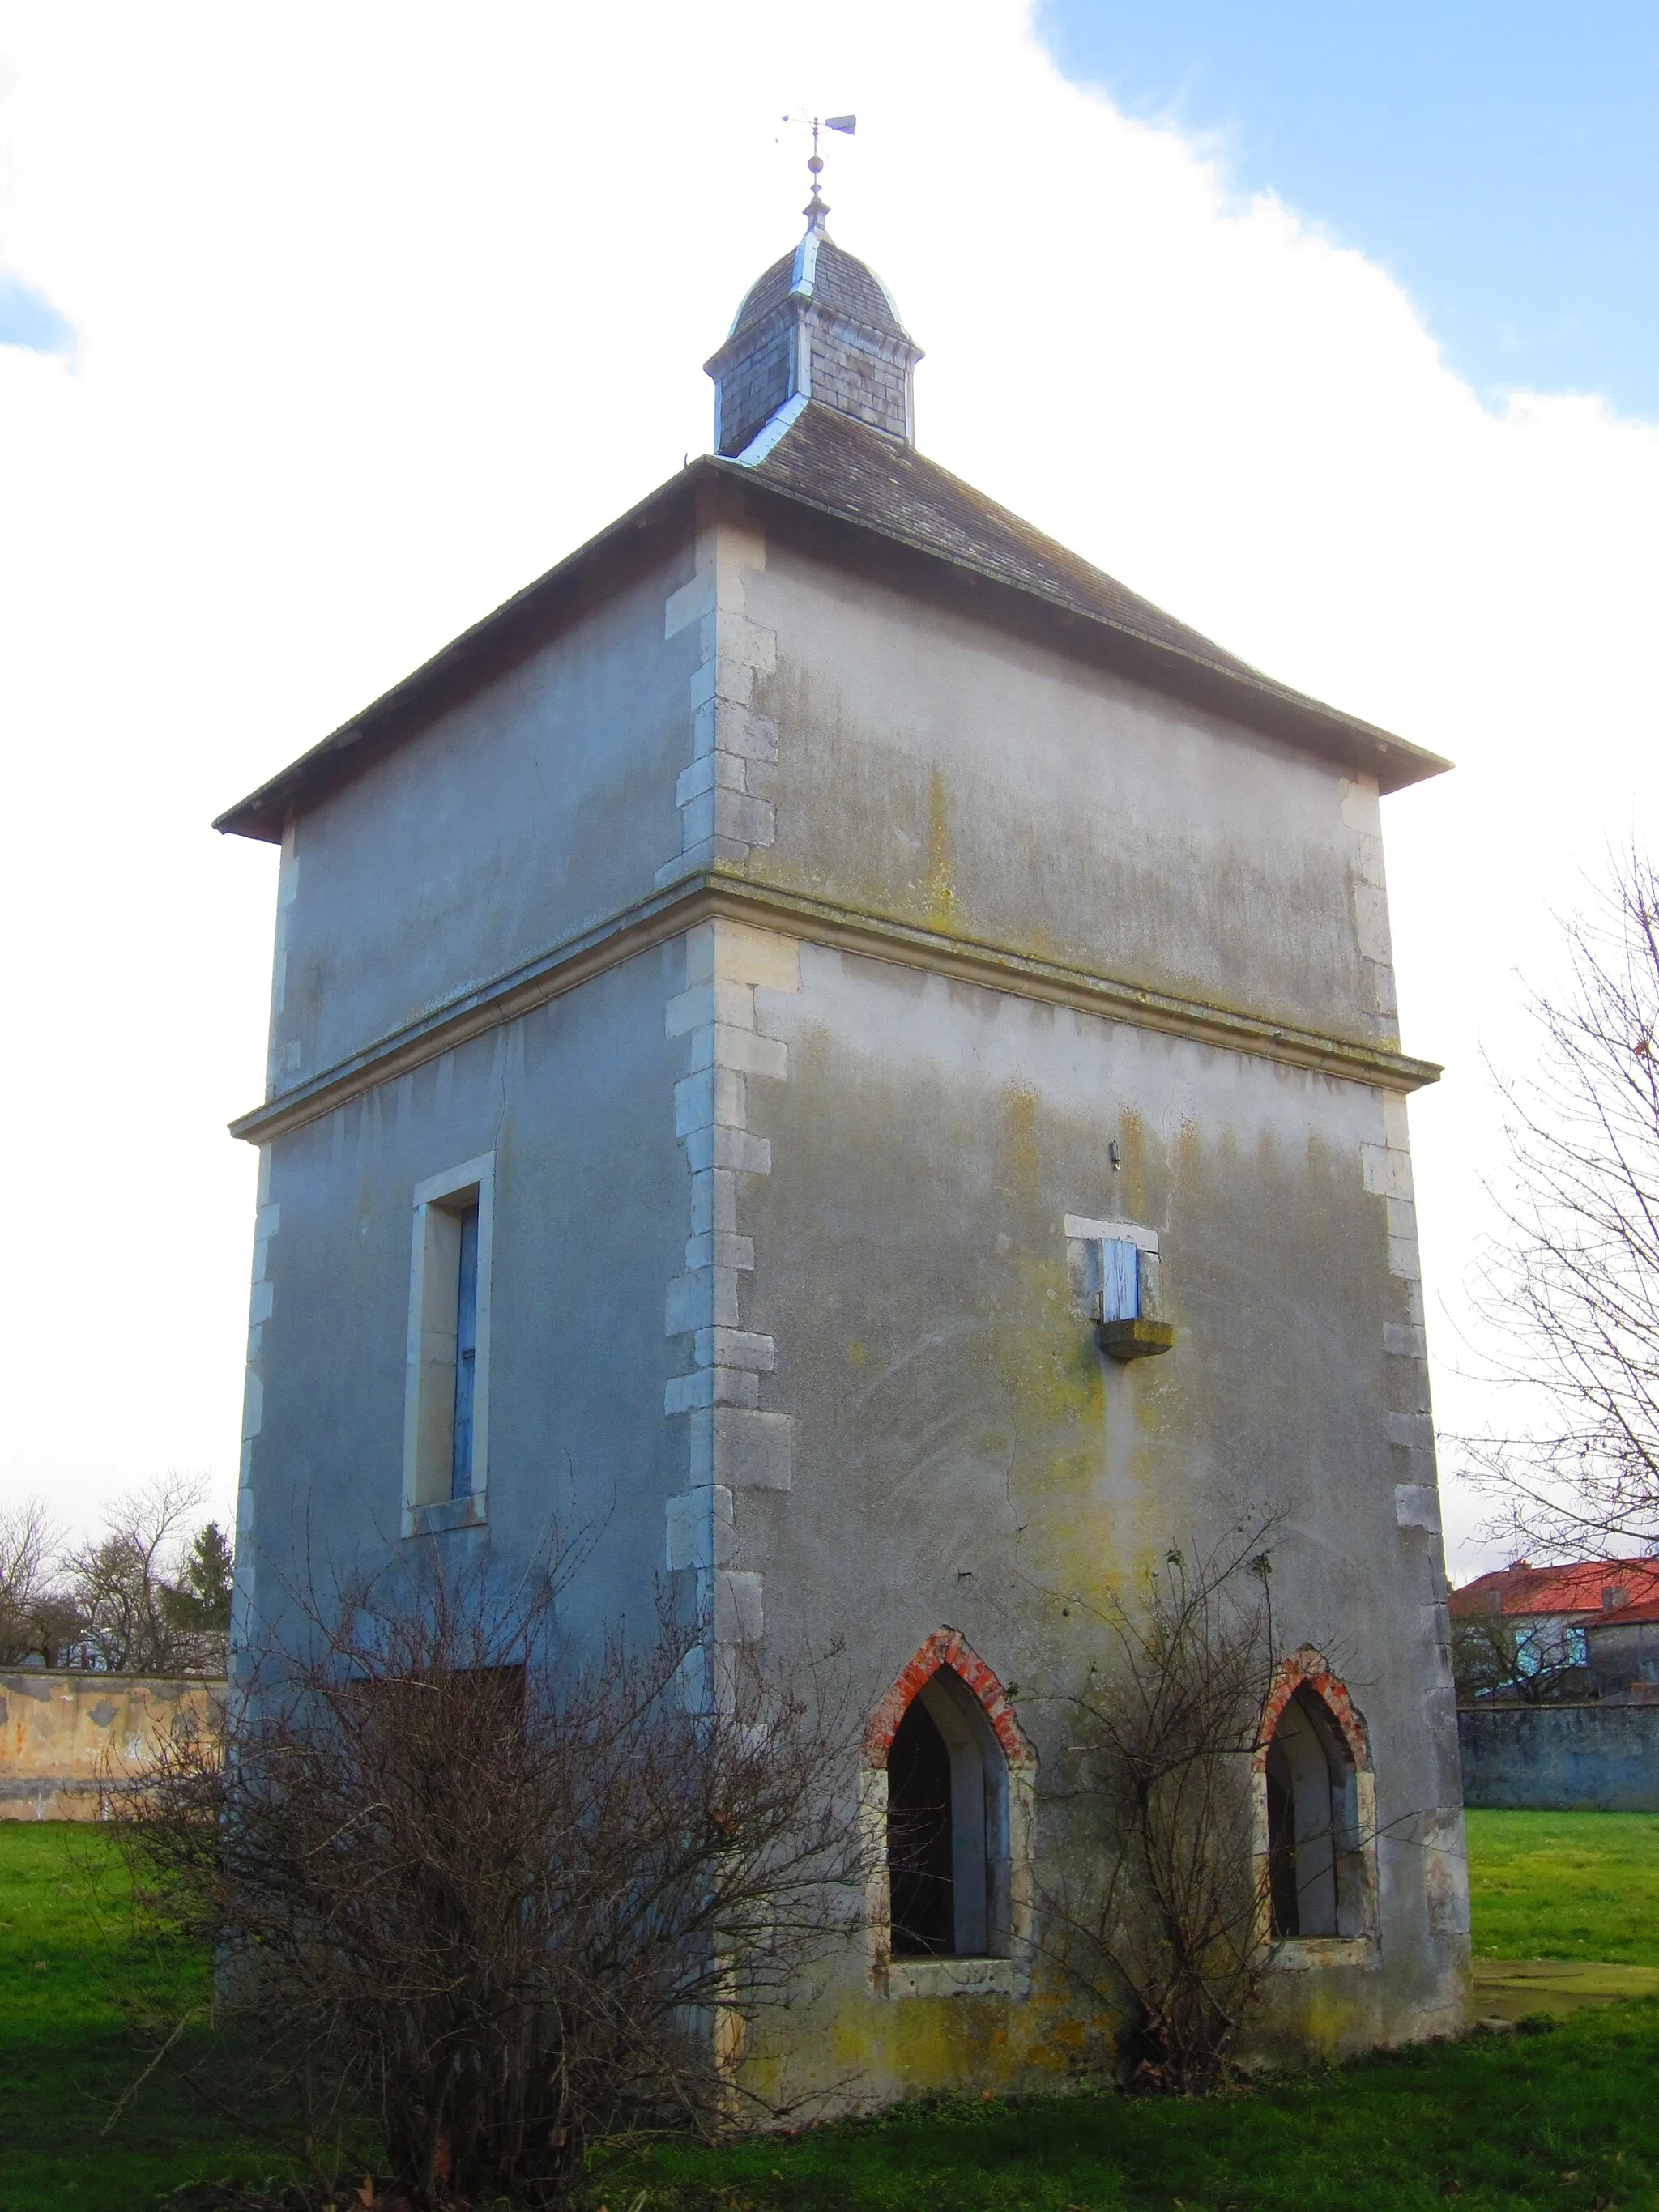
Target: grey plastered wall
[(507, 825), (899, 1151), (966, 1456), (1603, 1759), (574, 1102), (950, 772)]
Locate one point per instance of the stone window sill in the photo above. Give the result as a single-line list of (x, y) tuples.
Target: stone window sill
[(956, 1977), (1297, 1953), (444, 1514)]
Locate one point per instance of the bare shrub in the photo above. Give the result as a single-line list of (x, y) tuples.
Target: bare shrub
[(487, 1897), (1171, 1920), (1572, 1283)]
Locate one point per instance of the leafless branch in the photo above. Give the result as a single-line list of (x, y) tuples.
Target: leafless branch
[(490, 1893), (1572, 1283), (1170, 1915)]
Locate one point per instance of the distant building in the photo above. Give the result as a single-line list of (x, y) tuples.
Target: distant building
[(1622, 1652), (1546, 1611), (833, 1045)]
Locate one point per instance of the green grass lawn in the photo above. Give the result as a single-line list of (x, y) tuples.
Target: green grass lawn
[(1565, 1886), (1531, 2124), (1550, 2121), (69, 2050)]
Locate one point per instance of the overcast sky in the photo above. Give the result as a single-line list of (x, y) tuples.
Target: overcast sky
[(322, 329)]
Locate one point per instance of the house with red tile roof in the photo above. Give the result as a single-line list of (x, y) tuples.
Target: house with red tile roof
[(1549, 1610)]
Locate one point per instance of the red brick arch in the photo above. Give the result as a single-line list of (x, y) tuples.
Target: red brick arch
[(946, 1647), (1310, 1666)]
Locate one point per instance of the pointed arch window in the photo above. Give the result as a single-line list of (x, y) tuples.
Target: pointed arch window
[(947, 1827), (1317, 1818), (950, 1782)]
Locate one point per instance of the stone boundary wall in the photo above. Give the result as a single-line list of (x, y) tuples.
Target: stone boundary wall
[(61, 1731), (1561, 1758)]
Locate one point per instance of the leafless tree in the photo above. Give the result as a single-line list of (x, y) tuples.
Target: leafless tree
[(36, 1612), (130, 1586), (1573, 1281), (1171, 1914), (486, 1895)]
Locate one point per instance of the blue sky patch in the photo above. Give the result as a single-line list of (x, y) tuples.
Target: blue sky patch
[(1499, 157), (27, 318)]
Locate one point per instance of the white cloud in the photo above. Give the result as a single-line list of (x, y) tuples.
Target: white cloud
[(380, 310)]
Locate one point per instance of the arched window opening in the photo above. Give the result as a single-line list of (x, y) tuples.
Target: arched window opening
[(947, 1827), (1316, 1867), (918, 1857)]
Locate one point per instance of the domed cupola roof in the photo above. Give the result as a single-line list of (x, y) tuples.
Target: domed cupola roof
[(818, 325), (840, 283)]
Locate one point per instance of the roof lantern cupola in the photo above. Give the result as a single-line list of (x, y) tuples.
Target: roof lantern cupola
[(820, 326)]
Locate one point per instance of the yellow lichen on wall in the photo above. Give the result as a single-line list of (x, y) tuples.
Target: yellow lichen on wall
[(941, 875), (908, 2046)]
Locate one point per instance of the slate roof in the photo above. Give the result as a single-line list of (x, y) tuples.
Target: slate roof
[(841, 465), (828, 461), (1576, 1588), (868, 482), (841, 283)]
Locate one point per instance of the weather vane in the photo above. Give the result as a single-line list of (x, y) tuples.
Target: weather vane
[(815, 210)]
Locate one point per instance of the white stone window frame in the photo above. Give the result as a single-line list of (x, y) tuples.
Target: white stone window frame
[(1084, 1239), (430, 1360)]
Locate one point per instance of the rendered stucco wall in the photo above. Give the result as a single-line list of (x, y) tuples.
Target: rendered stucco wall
[(964, 1455), (951, 774), (574, 1104), (516, 819), (63, 1733), (1600, 1759)]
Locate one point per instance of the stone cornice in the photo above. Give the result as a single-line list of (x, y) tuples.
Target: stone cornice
[(713, 894)]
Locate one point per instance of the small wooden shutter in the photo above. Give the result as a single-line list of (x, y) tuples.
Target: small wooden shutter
[(1120, 1280)]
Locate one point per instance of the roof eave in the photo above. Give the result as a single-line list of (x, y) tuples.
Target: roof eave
[(1299, 719), (1395, 762), (263, 813)]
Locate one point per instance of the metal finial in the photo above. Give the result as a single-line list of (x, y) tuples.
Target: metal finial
[(816, 207)]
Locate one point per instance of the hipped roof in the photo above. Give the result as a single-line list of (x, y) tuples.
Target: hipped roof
[(1575, 1587), (875, 492)]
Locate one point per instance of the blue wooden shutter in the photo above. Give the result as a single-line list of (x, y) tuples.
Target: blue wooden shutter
[(1120, 1280), (466, 1355)]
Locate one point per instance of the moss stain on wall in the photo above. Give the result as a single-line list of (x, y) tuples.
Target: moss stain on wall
[(941, 873)]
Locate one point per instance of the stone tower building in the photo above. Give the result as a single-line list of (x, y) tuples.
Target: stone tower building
[(834, 1041)]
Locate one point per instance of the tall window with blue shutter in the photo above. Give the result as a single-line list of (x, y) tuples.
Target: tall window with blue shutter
[(446, 1390), (466, 1355)]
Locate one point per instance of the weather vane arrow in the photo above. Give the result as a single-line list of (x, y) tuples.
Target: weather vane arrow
[(816, 210)]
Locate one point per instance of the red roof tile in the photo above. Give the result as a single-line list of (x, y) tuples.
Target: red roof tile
[(1627, 1616), (1575, 1587)]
